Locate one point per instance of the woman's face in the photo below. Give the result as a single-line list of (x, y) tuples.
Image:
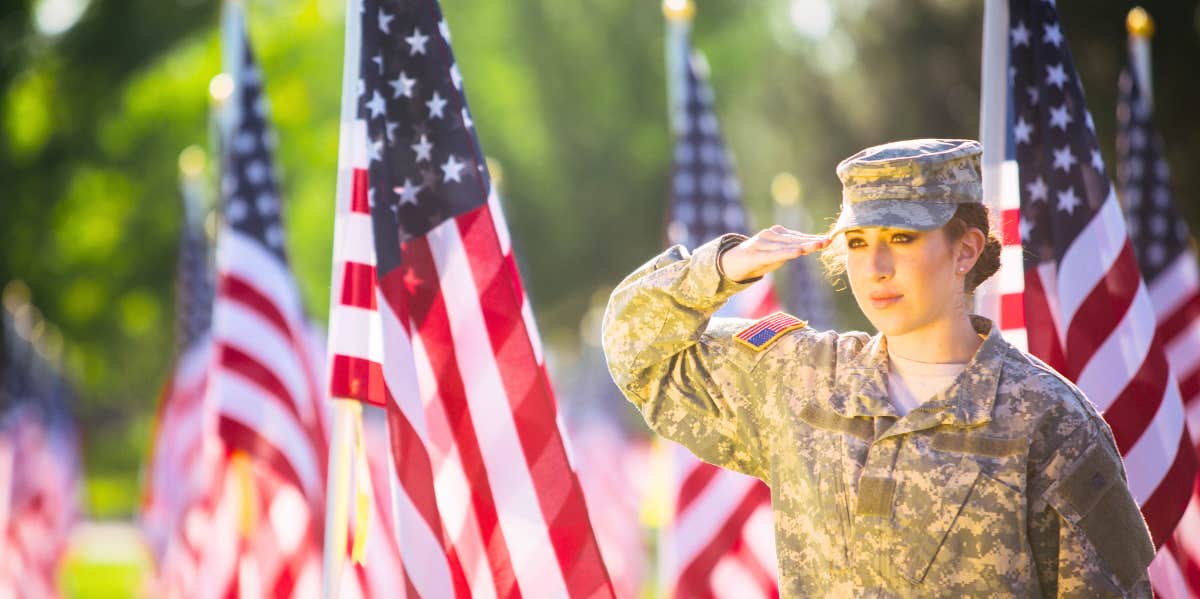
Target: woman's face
[(903, 280)]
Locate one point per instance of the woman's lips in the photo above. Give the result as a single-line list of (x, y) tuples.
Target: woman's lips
[(883, 300)]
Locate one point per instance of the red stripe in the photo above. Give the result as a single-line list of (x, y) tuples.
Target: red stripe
[(533, 407), (1187, 564), (248, 367), (1134, 409), (239, 436), (1010, 226), (233, 287), (415, 283), (415, 473), (358, 285), (1183, 317), (1101, 312), (1189, 387), (697, 478), (758, 570), (356, 378), (694, 578), (1039, 323), (358, 192), (1166, 505), (1012, 311)]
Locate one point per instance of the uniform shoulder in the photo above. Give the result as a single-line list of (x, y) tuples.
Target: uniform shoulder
[(1043, 389)]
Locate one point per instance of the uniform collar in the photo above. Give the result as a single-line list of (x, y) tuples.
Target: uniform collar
[(862, 385)]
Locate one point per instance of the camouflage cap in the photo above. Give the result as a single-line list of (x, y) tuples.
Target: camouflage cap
[(915, 184)]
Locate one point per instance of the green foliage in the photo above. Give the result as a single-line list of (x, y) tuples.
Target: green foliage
[(568, 97)]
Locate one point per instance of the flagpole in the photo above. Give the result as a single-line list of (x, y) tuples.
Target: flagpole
[(679, 15), (347, 413), (1141, 28), (993, 116)]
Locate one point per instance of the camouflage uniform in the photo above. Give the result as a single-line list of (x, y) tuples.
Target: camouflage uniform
[(1007, 483)]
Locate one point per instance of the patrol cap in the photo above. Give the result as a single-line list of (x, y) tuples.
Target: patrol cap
[(914, 184)]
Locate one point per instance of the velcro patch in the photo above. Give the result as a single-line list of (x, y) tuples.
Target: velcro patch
[(766, 330)]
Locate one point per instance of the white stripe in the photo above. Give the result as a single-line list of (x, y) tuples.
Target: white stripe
[(246, 258), (518, 505), (450, 482), (1010, 174), (193, 363), (1192, 410), (243, 329), (1012, 270), (729, 578), (356, 239), (1121, 355), (1019, 338), (1048, 275), (420, 551), (400, 371), (696, 527), (1147, 462), (1183, 349), (1090, 257), (356, 332), (1166, 576), (241, 400), (531, 327), (1175, 285), (499, 222), (759, 535)]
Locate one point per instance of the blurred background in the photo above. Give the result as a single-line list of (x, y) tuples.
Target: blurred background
[(98, 98)]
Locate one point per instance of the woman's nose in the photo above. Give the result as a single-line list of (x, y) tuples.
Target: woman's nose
[(881, 262)]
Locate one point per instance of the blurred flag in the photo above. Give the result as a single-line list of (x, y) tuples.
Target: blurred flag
[(719, 540), (184, 466), (264, 379), (448, 330), (1165, 256), (1086, 310), (40, 469)]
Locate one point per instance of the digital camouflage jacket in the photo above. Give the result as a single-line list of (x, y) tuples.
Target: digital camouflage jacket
[(1008, 483)]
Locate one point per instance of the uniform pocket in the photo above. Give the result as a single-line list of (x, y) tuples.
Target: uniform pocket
[(926, 508)]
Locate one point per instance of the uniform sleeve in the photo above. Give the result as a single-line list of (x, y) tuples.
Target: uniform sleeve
[(679, 365), (1088, 536)]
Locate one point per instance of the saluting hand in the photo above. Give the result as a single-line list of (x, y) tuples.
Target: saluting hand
[(767, 250)]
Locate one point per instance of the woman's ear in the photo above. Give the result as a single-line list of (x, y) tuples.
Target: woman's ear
[(970, 246)]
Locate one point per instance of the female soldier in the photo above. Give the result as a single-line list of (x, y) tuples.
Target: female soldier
[(933, 459)]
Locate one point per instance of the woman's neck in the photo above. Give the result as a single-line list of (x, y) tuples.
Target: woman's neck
[(952, 339)]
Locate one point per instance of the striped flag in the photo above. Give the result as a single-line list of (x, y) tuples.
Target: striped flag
[(1161, 242), (719, 541), (447, 330), (1086, 310), (264, 378), (182, 471)]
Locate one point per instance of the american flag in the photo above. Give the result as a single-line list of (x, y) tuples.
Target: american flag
[(264, 378), (1165, 256), (720, 539), (182, 470), (486, 502), (40, 468), (1086, 309)]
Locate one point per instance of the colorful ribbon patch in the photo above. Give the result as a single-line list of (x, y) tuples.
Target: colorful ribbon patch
[(765, 331)]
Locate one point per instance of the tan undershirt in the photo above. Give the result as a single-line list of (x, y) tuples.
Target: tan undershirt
[(912, 383)]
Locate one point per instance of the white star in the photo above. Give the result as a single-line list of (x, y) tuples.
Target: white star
[(1067, 201), (1025, 226), (376, 149), (452, 170), (1056, 75), (1052, 34), (267, 204), (256, 172), (1060, 117), (1022, 130), (436, 104), (1137, 138), (245, 142), (466, 116), (1097, 160), (1156, 254), (370, 197), (1161, 170), (1032, 90), (1064, 159), (402, 85), (391, 130), (377, 105), (444, 29), (378, 60), (455, 76), (1037, 190), (423, 149), (1162, 197), (1020, 35), (235, 211), (1087, 119), (408, 192), (385, 21), (416, 42), (274, 235)]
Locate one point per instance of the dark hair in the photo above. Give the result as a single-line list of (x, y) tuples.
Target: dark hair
[(966, 217)]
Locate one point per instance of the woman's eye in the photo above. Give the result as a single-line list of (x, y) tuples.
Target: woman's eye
[(855, 243), (901, 238)]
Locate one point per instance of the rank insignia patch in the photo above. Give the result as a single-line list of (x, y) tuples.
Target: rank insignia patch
[(765, 331)]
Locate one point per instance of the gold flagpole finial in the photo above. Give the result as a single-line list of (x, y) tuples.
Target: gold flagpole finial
[(1139, 23), (679, 10)]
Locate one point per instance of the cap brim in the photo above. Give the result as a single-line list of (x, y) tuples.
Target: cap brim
[(909, 215)]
